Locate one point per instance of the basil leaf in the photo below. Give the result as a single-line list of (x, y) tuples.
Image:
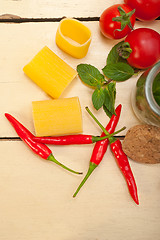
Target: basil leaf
[(110, 96), (113, 56), (156, 89), (118, 71), (98, 98), (90, 75)]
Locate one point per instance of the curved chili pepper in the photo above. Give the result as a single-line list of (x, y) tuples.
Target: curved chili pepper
[(40, 149), (72, 139), (100, 147), (122, 161)]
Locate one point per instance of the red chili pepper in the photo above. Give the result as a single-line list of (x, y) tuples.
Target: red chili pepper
[(66, 140), (100, 147), (40, 149), (122, 161), (72, 139)]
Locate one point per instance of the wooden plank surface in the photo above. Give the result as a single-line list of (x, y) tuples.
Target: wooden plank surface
[(54, 9), (36, 196)]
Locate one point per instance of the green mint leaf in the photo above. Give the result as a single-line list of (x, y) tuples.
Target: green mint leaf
[(98, 98), (110, 96), (108, 113), (113, 56), (118, 71), (90, 75), (156, 89)]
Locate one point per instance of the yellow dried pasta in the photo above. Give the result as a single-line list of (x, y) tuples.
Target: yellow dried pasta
[(57, 116), (50, 72)]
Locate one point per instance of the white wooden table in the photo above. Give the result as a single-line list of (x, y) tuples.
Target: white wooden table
[(36, 196)]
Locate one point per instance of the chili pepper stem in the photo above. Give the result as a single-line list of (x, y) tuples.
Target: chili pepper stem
[(52, 158), (92, 166), (96, 120), (110, 136)]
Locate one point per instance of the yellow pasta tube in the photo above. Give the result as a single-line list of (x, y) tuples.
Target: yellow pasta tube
[(57, 117), (73, 37), (50, 72)]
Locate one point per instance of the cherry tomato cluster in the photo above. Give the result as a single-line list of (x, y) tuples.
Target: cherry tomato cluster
[(118, 21)]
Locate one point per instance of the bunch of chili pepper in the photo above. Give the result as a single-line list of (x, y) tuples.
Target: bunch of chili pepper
[(117, 150), (37, 145)]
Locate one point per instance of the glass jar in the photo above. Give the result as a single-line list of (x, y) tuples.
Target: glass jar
[(143, 102)]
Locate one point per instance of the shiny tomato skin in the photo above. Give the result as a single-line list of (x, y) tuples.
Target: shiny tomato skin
[(145, 45), (108, 27), (146, 10)]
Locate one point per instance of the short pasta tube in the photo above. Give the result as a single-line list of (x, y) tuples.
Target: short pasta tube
[(50, 72), (57, 117)]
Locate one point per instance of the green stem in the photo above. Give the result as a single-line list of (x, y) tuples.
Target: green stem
[(124, 18), (124, 50), (52, 158), (96, 120), (111, 139), (92, 166), (107, 82), (96, 139)]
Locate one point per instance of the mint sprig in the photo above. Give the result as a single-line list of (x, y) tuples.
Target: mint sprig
[(116, 70), (104, 93)]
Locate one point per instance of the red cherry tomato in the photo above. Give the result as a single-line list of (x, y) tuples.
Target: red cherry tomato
[(145, 45), (146, 10), (112, 28)]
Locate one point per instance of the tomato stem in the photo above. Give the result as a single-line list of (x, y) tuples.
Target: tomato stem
[(124, 19), (124, 50)]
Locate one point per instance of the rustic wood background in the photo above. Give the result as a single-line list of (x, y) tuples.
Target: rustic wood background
[(36, 196)]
